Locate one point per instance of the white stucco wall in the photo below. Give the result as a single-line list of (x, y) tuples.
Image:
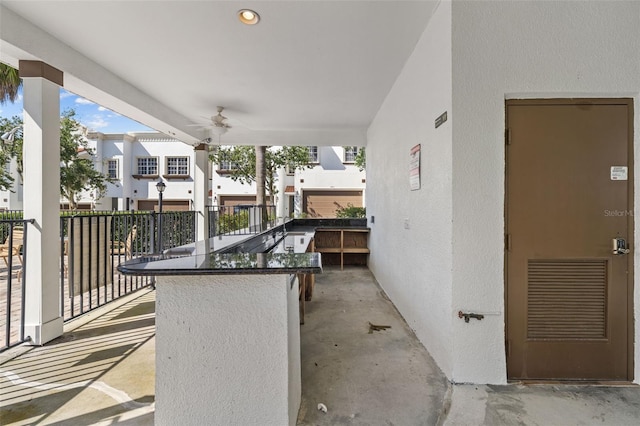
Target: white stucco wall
[(414, 265), (227, 350), (161, 147), (127, 191), (126, 147), (515, 50), (12, 198), (223, 185), (473, 56), (319, 178), (114, 150)]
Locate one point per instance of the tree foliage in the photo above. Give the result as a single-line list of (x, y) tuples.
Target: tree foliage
[(243, 160), (10, 83), (77, 173), (10, 151), (350, 212), (361, 159)]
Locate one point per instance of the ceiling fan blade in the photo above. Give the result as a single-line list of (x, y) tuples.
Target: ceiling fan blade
[(214, 122)]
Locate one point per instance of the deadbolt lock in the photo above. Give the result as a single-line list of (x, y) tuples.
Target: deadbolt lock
[(620, 246)]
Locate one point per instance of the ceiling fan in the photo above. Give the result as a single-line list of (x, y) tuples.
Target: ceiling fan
[(218, 123), (220, 126)]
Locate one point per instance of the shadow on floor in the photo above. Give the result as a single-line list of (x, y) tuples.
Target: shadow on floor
[(103, 372)]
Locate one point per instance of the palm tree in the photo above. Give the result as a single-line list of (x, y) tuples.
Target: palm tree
[(261, 196), (10, 82)]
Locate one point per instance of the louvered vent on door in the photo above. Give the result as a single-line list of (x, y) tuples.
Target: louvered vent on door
[(567, 299)]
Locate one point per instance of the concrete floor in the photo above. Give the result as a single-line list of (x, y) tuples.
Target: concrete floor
[(102, 372), (380, 378), (544, 405)]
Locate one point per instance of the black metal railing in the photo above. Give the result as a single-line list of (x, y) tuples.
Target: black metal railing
[(178, 228), (240, 219), (13, 234), (94, 244), (11, 214)]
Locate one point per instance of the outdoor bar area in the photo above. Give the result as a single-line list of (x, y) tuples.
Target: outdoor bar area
[(228, 324)]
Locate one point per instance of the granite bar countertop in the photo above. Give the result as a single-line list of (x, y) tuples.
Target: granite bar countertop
[(280, 250), (276, 251), (224, 263)]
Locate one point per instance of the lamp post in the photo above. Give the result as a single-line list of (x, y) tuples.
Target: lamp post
[(160, 186)]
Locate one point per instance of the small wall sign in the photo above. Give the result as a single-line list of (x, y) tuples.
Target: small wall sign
[(414, 168), (441, 119), (619, 172)]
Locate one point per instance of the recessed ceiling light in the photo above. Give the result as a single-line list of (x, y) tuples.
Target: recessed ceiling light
[(248, 17)]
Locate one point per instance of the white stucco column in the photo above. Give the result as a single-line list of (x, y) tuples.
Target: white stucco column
[(15, 196), (41, 157), (127, 160), (201, 176), (99, 165)]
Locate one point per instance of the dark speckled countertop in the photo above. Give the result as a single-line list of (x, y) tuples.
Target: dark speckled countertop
[(280, 250), (224, 263)]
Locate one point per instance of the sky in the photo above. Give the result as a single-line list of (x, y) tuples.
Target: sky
[(90, 114)]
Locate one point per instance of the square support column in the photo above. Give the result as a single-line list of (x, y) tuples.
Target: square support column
[(201, 191), (41, 160)]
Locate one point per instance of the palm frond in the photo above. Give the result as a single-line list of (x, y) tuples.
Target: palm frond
[(10, 83)]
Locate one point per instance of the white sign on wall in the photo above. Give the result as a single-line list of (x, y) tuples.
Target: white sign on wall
[(414, 168), (619, 172)]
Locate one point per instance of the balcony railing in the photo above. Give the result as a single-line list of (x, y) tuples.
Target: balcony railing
[(92, 245), (13, 234), (242, 219)]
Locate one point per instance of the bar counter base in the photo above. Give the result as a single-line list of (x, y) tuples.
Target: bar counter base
[(227, 350)]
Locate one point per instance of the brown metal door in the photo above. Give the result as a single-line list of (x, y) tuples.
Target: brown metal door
[(569, 194)]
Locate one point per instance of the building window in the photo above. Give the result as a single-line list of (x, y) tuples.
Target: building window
[(178, 166), (350, 154), (227, 165), (112, 169), (313, 154), (291, 170), (147, 166)]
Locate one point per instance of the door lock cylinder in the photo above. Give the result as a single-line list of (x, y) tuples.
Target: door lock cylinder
[(620, 246)]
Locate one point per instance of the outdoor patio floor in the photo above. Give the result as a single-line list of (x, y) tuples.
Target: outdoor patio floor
[(101, 371), (82, 302)]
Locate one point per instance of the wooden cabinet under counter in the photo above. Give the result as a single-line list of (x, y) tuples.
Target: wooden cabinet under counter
[(342, 246)]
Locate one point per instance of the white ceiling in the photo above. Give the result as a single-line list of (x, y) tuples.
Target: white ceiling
[(310, 73)]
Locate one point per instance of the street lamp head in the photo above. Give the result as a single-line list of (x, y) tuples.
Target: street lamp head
[(7, 137), (160, 186), (10, 136)]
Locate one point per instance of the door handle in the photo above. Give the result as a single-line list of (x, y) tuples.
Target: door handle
[(620, 246)]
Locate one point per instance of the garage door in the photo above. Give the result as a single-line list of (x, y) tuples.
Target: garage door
[(236, 200), (167, 205), (325, 203)]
